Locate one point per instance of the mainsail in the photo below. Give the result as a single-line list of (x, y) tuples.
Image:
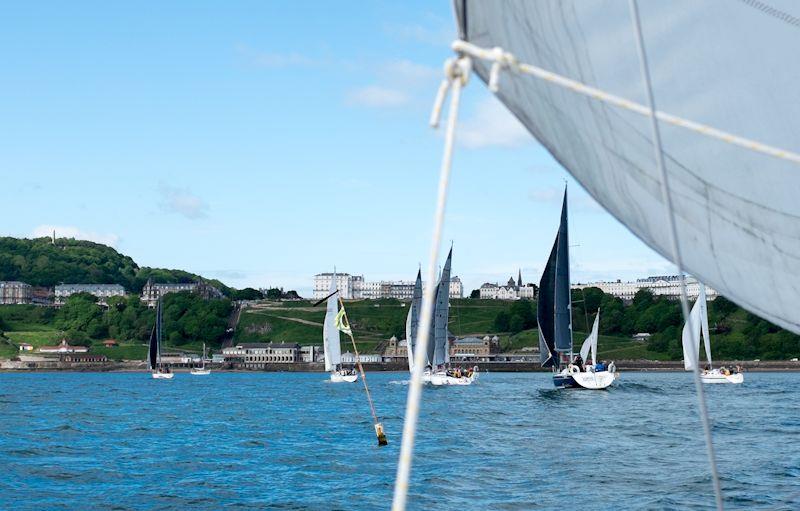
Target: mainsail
[(441, 354), (155, 339), (330, 334), (736, 210), (412, 320), (553, 313), (590, 344)]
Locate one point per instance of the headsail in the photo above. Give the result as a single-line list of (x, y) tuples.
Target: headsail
[(704, 322), (412, 320), (590, 344), (441, 353), (736, 210), (330, 334), (691, 335), (544, 311)]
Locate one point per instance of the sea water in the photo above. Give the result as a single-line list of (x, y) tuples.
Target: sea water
[(295, 441)]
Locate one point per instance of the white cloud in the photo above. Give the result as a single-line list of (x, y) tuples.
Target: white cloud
[(182, 202), (69, 231), (407, 73), (492, 125), (375, 96), (441, 35)]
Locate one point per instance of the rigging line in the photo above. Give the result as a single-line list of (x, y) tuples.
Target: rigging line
[(457, 73), (504, 60), (676, 252)]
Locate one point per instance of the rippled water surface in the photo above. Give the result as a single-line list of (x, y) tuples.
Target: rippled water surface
[(295, 441)]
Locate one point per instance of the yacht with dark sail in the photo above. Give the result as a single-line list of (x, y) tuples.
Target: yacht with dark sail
[(554, 319), (159, 370)]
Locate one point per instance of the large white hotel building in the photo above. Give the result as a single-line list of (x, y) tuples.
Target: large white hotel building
[(354, 287), (662, 285)]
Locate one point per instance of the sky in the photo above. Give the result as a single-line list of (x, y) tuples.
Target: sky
[(263, 142)]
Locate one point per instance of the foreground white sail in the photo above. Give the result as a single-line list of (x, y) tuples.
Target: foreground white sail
[(736, 209), (331, 343), (692, 330)]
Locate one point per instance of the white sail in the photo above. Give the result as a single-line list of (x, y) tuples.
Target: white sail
[(590, 344), (330, 334), (690, 336), (409, 321), (704, 322), (737, 213)]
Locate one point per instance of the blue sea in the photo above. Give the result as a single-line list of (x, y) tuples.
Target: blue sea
[(296, 442)]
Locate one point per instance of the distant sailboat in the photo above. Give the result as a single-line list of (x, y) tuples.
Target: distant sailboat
[(412, 320), (554, 319), (437, 371), (201, 371), (159, 371), (331, 343), (697, 324)]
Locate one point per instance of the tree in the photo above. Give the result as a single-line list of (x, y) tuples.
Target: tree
[(274, 293), (501, 321), (247, 293), (476, 293), (516, 324), (524, 309)]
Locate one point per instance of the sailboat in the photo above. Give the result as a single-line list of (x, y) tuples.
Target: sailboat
[(554, 319), (159, 371), (201, 371), (437, 371), (697, 324), (412, 321), (331, 343)]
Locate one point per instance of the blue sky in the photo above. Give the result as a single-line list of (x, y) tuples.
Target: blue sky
[(263, 142)]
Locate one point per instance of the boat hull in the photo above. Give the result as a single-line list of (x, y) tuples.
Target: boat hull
[(343, 378), (200, 372), (573, 378), (162, 376), (716, 376), (441, 378)]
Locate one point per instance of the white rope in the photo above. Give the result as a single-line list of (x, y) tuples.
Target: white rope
[(676, 251), (504, 60), (457, 73)]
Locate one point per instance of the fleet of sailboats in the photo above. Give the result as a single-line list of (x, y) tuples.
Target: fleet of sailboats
[(554, 319), (331, 342), (692, 329), (158, 370)]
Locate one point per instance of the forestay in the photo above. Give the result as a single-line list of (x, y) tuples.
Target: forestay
[(730, 65)]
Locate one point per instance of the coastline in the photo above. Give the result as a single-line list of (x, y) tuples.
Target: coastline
[(491, 367)]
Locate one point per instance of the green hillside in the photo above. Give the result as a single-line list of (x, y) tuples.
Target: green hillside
[(39, 262)]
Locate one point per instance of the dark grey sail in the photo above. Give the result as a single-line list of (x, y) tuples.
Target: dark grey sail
[(544, 311), (155, 338), (431, 348), (562, 303), (553, 313), (441, 353)]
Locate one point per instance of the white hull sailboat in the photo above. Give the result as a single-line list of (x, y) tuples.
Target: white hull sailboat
[(554, 319), (158, 370), (201, 371), (437, 372), (692, 331), (331, 342)]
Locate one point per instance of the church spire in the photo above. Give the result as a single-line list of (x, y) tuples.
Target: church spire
[(519, 278)]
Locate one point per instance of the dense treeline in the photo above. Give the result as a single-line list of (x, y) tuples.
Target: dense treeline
[(39, 262), (187, 318), (735, 333)]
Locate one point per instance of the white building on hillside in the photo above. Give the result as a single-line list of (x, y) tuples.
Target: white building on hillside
[(513, 290), (354, 287), (662, 285), (102, 291)]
